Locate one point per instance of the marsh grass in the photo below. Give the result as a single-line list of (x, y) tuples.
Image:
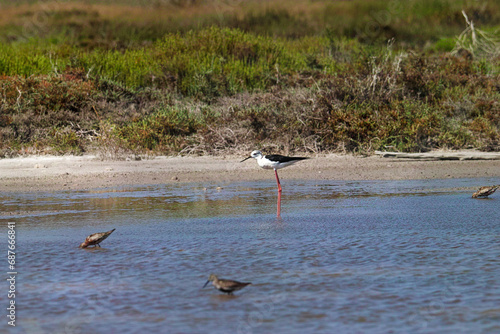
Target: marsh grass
[(289, 76), (166, 129)]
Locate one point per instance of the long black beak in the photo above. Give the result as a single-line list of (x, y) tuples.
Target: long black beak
[(245, 159), (206, 284)]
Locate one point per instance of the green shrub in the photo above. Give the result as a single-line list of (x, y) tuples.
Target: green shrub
[(322, 76), (166, 130)]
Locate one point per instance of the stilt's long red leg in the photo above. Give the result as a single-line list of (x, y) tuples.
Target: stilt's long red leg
[(277, 180)]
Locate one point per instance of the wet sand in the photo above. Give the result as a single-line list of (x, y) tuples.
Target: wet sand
[(49, 173)]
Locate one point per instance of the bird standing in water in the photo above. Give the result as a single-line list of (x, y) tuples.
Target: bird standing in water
[(225, 285), (485, 191), (274, 161), (95, 239)]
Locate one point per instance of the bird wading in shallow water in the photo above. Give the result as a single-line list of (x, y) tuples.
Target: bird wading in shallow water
[(485, 191), (95, 239), (225, 285), (274, 161)]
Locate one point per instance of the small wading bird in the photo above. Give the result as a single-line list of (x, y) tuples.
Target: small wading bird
[(95, 239), (485, 191), (274, 161), (225, 285)]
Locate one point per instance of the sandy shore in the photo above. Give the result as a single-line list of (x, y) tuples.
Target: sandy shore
[(49, 173)]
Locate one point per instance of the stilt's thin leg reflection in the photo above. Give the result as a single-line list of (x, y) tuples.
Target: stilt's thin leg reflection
[(279, 192), (279, 204)]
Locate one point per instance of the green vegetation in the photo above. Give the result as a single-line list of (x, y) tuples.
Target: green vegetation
[(212, 77)]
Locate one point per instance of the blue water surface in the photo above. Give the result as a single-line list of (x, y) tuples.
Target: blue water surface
[(345, 257)]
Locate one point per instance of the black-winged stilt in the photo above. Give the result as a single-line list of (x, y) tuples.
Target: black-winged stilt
[(225, 285), (274, 161)]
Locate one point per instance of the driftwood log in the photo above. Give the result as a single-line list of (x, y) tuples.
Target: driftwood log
[(459, 155)]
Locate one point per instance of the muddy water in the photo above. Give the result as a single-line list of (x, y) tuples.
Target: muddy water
[(348, 257)]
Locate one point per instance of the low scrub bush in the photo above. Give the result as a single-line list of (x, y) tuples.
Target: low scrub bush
[(294, 76)]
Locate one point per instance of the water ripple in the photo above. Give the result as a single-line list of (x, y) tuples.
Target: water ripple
[(363, 257)]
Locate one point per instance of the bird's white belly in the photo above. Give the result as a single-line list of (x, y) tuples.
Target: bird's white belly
[(275, 165), (267, 164)]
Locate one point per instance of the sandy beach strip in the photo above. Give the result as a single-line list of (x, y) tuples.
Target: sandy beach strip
[(54, 173)]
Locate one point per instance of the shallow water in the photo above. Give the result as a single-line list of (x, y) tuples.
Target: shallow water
[(345, 257)]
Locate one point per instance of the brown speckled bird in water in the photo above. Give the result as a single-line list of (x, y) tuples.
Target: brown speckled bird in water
[(485, 191), (225, 285), (95, 239)]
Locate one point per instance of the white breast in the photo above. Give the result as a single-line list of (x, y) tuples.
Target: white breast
[(266, 164)]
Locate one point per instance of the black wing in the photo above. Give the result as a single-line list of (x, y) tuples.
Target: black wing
[(282, 158)]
